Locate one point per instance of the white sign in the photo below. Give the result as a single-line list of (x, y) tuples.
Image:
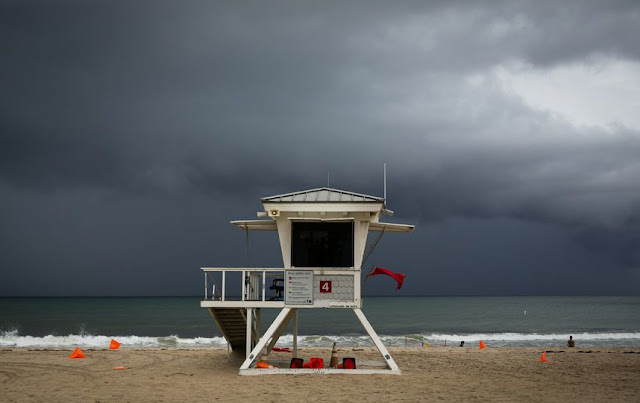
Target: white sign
[(298, 286)]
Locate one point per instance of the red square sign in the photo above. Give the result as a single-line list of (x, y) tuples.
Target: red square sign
[(325, 286)]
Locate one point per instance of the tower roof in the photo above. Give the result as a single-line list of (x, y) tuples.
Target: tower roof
[(322, 195)]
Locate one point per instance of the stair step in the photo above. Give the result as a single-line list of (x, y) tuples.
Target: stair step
[(234, 324)]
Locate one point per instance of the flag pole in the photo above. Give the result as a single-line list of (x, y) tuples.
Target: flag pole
[(373, 266)]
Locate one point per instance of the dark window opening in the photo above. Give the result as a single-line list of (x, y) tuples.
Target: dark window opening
[(322, 244)]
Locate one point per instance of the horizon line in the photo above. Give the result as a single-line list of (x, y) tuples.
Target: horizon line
[(369, 296)]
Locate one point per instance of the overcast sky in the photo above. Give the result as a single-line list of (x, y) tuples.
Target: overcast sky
[(132, 132)]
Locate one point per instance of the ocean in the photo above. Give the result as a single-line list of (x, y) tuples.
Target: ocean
[(400, 321)]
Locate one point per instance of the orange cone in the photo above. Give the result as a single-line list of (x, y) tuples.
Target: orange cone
[(544, 357), (334, 357), (482, 346), (264, 365), (77, 353), (114, 345)]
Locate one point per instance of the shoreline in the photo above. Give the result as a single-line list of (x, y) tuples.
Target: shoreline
[(12, 339), (402, 349), (428, 373)]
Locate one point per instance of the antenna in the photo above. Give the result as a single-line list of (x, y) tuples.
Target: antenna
[(328, 179), (384, 169)]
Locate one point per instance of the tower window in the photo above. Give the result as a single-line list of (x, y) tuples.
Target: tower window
[(322, 244)]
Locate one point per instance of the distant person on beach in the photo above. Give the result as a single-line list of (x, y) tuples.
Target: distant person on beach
[(570, 342), (462, 344)]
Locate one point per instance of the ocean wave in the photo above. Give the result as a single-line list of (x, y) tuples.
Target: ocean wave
[(12, 338), (532, 336)]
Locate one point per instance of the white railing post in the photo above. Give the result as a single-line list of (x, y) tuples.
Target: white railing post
[(250, 283), (224, 279), (244, 287)]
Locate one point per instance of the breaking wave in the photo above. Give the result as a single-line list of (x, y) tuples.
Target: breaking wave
[(12, 338)]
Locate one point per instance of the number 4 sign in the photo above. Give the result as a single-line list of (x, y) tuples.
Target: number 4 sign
[(325, 286)]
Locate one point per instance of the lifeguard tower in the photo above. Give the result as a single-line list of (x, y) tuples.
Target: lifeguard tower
[(323, 235)]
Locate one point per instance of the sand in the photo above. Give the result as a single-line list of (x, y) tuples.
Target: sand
[(429, 374)]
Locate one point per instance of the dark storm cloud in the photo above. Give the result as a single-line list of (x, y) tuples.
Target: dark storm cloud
[(118, 104)]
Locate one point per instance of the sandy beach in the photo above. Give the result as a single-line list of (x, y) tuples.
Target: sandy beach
[(430, 373)]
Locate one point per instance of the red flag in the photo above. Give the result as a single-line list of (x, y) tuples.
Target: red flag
[(399, 277)]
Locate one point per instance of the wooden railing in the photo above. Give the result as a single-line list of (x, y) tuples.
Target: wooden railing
[(255, 284)]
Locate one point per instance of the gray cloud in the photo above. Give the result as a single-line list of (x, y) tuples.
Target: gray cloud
[(111, 105)]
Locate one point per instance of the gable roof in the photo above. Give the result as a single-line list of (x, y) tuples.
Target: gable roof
[(322, 195)]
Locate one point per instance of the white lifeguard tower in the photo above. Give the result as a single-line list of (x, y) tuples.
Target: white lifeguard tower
[(323, 234)]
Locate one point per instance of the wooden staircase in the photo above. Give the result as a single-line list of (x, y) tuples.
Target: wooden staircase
[(232, 323)]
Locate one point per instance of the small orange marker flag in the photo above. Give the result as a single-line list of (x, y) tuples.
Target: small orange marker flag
[(482, 346), (543, 358), (77, 353), (121, 368), (114, 345)]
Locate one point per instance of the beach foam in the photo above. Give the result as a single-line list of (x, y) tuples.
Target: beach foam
[(12, 338)]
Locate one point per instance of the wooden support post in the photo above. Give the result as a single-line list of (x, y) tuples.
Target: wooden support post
[(257, 326), (263, 341), (249, 332), (376, 340), (295, 332), (280, 330)]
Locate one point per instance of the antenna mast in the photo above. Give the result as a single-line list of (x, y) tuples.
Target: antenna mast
[(384, 169)]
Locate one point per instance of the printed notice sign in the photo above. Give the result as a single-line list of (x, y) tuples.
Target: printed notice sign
[(298, 286)]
